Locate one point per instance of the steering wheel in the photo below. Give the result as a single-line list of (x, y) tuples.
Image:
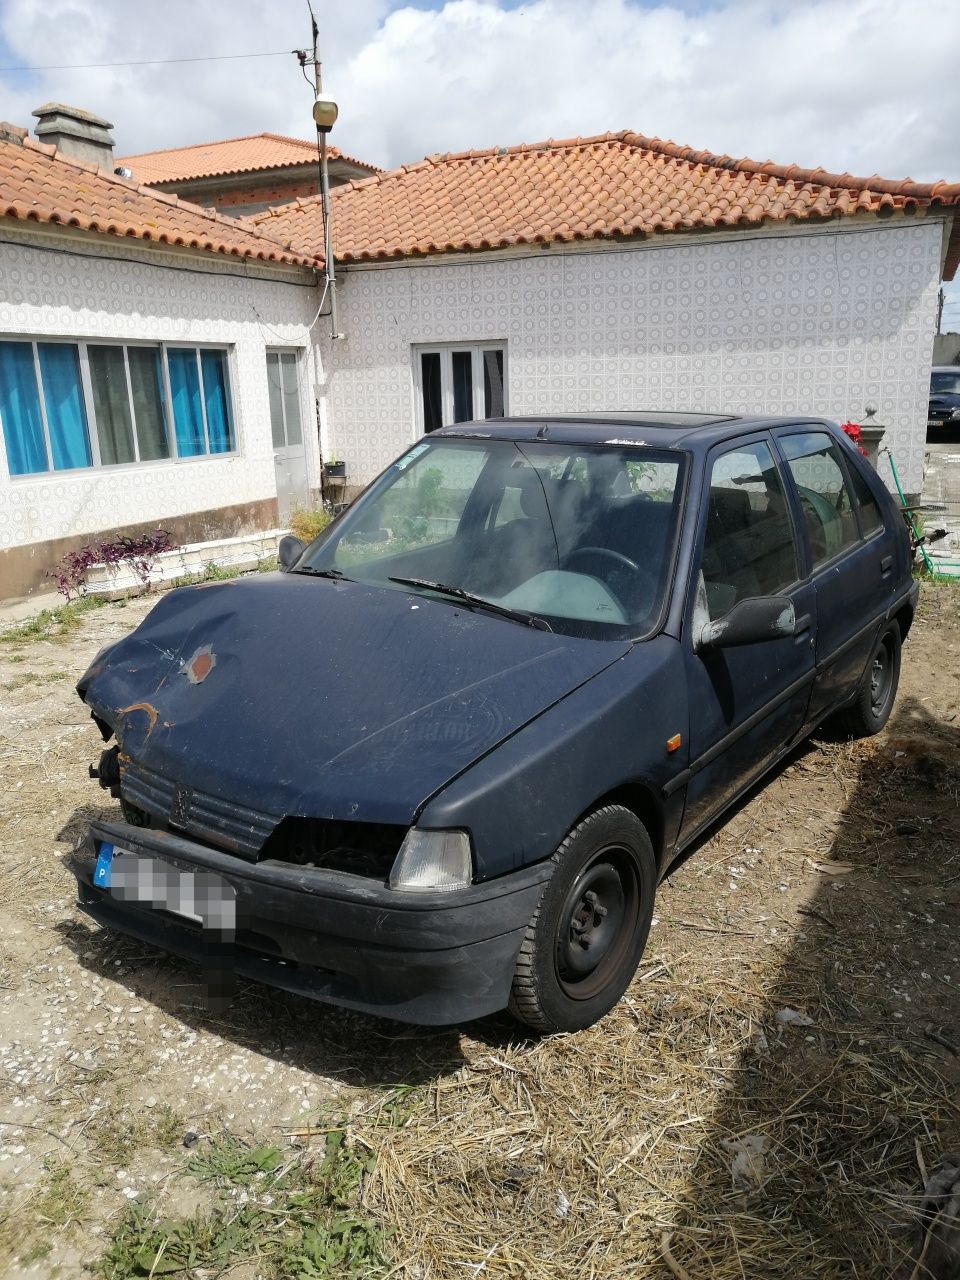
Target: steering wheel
[(636, 592), (616, 556)]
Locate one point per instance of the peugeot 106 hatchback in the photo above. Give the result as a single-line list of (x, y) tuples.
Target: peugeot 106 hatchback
[(439, 763)]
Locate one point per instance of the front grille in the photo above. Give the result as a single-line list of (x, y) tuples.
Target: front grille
[(220, 822)]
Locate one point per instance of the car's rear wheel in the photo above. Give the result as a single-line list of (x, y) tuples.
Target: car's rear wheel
[(582, 946), (871, 708)]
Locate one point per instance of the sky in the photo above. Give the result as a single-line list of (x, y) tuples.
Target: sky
[(859, 86)]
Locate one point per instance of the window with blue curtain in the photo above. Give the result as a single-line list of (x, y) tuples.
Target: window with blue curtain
[(63, 401), (185, 393), (66, 405), (20, 410), (216, 401)]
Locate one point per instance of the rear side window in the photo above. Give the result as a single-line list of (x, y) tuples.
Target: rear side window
[(748, 546), (825, 499), (870, 518)]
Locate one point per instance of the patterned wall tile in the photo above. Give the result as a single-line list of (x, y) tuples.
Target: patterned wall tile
[(821, 323)]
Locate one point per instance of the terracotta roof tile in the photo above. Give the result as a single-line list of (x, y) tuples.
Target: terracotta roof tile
[(39, 184), (232, 155), (611, 186)]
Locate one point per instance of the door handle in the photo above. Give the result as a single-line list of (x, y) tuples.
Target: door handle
[(801, 629), (886, 564)]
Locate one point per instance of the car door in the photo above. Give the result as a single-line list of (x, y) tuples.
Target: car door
[(747, 703), (851, 557)]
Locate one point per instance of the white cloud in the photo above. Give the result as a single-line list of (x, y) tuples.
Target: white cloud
[(860, 85)]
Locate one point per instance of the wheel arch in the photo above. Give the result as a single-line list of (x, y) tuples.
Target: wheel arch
[(641, 800), (904, 619)]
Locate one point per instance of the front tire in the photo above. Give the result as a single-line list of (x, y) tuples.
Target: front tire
[(871, 708), (585, 940)]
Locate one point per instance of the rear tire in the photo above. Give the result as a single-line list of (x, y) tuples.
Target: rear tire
[(871, 708), (585, 940)]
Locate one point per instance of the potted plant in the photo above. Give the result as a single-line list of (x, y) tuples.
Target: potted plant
[(335, 470)]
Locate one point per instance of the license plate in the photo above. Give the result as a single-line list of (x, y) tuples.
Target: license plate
[(201, 897)]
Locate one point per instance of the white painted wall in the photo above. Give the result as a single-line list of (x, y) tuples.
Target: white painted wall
[(820, 321), (85, 287)]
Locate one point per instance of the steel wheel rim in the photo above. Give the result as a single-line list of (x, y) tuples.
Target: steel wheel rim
[(880, 678), (597, 924)]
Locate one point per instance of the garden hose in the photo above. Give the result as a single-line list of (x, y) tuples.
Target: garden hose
[(907, 511)]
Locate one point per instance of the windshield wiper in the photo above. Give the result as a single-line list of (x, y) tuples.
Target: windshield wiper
[(476, 602), (321, 573)]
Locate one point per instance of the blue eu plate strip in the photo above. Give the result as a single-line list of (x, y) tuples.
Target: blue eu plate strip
[(101, 876)]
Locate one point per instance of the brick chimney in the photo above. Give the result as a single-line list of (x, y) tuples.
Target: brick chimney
[(76, 133)]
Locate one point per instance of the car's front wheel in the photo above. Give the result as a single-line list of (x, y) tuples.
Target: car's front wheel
[(585, 940)]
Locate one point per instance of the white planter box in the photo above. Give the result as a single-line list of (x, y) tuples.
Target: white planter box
[(246, 552)]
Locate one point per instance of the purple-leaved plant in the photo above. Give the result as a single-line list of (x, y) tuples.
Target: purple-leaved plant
[(141, 553)]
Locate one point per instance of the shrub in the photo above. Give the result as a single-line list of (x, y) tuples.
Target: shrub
[(307, 523), (141, 553)]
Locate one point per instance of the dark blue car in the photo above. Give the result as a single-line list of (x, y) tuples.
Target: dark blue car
[(439, 764), (944, 406)]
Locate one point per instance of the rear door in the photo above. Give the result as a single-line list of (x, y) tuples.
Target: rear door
[(851, 558), (746, 703)]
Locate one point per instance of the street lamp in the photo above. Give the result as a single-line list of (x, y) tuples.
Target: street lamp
[(324, 113)]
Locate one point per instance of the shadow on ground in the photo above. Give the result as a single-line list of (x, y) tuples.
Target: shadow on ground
[(816, 1159)]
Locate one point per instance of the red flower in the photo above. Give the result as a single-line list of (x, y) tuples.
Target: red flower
[(853, 431)]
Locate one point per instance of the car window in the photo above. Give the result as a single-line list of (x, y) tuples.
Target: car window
[(945, 383), (828, 512), (870, 518), (748, 546), (423, 507), (583, 536)]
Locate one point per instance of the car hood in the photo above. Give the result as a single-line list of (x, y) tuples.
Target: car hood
[(945, 399), (293, 695)]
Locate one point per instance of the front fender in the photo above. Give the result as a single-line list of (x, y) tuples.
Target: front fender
[(520, 801)]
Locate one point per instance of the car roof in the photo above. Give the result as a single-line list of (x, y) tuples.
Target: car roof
[(946, 368), (654, 428)]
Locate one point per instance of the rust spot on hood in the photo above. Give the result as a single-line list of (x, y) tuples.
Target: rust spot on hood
[(197, 668), (148, 710)]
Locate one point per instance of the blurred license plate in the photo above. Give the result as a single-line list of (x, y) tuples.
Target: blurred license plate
[(200, 896)]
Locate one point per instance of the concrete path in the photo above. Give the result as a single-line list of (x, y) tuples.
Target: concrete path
[(941, 504)]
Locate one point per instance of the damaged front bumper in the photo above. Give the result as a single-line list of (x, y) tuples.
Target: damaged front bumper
[(431, 958)]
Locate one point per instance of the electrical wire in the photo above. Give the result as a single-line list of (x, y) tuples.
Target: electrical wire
[(158, 266), (147, 62), (262, 324)]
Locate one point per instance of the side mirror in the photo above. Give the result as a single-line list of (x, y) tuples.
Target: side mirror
[(749, 622), (289, 551)]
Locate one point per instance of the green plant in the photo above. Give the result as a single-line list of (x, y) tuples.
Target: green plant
[(49, 624), (307, 523), (293, 1216)]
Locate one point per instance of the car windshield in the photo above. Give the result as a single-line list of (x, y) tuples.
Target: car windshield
[(577, 538), (946, 382)]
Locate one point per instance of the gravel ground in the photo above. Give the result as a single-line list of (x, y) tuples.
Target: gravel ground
[(108, 1056)]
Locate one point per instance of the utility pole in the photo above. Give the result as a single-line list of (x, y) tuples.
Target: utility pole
[(324, 115)]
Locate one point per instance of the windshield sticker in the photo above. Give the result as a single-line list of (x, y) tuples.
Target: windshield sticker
[(415, 452)]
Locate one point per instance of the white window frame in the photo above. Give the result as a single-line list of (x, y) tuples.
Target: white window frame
[(298, 355), (86, 385), (445, 351)]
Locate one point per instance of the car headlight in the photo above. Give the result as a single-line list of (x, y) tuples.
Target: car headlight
[(955, 413), (437, 860)]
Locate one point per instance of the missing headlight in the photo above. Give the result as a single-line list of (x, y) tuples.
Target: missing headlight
[(358, 848)]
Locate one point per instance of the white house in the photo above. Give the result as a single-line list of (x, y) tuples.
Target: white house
[(160, 364), (623, 272), (146, 350)]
